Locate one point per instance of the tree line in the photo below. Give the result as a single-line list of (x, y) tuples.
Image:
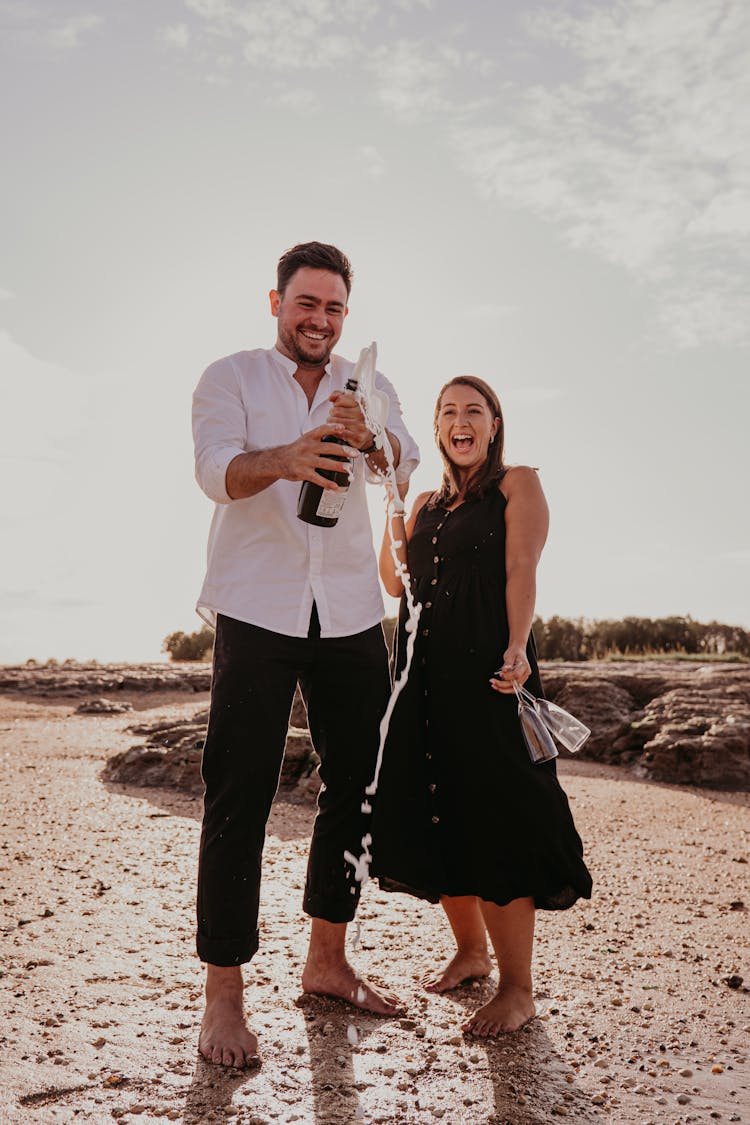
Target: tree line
[(565, 638)]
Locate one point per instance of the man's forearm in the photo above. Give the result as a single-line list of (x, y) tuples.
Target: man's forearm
[(249, 473)]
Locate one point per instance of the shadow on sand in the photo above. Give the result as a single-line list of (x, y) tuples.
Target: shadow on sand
[(530, 1079), (211, 1090)]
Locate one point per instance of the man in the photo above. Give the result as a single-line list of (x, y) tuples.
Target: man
[(292, 603)]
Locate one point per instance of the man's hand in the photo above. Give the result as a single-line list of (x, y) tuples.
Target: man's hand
[(249, 473), (303, 459), (347, 411)]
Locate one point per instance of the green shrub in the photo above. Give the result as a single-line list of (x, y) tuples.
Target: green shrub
[(190, 646)]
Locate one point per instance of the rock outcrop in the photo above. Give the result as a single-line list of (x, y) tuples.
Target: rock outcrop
[(669, 721), (171, 756), (69, 678)]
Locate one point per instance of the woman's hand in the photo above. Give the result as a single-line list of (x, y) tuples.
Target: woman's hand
[(515, 670)]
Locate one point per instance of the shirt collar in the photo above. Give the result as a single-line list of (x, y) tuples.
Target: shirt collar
[(290, 366)]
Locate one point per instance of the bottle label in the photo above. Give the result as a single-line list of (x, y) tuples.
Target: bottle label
[(331, 503)]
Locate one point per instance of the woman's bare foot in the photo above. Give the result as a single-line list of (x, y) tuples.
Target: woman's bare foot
[(466, 965), (509, 1009), (225, 1038), (343, 983)]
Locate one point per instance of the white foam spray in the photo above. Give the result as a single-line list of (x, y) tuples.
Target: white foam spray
[(375, 405)]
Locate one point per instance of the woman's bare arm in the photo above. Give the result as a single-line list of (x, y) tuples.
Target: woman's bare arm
[(526, 526), (402, 534)]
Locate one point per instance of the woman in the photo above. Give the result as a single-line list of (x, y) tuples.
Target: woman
[(462, 816)]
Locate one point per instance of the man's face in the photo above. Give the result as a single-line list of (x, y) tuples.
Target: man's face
[(311, 315)]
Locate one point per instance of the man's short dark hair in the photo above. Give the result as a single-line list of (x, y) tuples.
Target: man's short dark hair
[(316, 256)]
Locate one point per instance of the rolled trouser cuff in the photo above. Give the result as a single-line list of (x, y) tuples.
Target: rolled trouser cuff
[(342, 910), (227, 951)]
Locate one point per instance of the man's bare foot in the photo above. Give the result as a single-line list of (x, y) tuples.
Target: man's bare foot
[(509, 1009), (343, 983), (225, 1038), (466, 965)]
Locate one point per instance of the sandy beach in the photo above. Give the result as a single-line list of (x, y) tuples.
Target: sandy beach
[(644, 1014)]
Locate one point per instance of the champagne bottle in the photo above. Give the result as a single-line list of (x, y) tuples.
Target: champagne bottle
[(321, 506)]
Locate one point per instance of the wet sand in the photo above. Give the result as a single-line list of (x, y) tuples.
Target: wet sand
[(643, 1018)]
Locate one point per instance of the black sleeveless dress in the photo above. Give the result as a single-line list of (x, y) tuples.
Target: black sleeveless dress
[(460, 808)]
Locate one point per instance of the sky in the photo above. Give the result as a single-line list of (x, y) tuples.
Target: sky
[(552, 196)]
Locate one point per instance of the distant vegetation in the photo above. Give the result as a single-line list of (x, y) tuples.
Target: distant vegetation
[(190, 646), (563, 638)]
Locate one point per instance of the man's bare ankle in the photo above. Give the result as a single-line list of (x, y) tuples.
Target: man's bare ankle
[(224, 981)]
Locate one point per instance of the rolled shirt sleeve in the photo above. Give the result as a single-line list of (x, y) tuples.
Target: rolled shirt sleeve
[(219, 427)]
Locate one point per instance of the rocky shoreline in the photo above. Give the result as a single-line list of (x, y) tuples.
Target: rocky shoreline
[(679, 722)]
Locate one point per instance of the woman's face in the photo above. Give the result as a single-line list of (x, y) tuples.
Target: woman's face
[(466, 426)]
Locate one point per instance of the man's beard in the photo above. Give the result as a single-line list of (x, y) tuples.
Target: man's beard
[(300, 355)]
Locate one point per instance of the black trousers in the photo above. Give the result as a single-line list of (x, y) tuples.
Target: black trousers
[(345, 684)]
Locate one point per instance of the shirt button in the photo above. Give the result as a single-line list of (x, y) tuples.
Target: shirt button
[(436, 820), (425, 632), (428, 605), (436, 559), (433, 582), (432, 788), (434, 539), (428, 756)]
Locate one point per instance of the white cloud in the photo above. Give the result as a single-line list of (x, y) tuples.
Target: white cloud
[(68, 34), (175, 35), (410, 79), (641, 155), (726, 214), (299, 34)]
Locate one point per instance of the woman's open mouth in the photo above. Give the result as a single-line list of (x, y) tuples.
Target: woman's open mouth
[(462, 443)]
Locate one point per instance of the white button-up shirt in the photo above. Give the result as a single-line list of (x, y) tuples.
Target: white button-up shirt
[(266, 566)]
